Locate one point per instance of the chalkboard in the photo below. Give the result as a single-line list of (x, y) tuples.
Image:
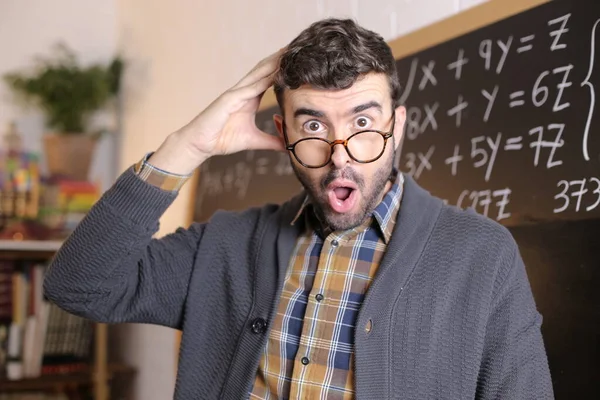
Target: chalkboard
[(503, 119), (563, 266)]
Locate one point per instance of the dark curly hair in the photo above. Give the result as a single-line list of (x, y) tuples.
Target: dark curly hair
[(332, 54)]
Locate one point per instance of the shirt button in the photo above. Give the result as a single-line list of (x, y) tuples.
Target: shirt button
[(335, 243), (305, 360), (259, 325), (319, 297)]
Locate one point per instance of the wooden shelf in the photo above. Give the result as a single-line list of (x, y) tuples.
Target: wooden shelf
[(30, 245), (58, 381), (28, 249)]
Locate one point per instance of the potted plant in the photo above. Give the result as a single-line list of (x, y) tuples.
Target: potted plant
[(68, 95)]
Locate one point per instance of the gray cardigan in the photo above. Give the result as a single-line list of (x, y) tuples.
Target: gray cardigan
[(452, 312)]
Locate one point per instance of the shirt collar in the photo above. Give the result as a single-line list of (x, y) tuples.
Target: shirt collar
[(386, 211), (384, 215)]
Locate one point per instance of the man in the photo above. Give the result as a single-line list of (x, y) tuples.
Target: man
[(365, 286)]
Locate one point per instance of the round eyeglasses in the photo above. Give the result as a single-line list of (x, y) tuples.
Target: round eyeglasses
[(363, 147)]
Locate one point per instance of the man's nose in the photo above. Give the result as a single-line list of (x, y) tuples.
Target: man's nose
[(340, 156)]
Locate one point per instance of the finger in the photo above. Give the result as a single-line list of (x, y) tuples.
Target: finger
[(254, 89), (264, 68), (234, 100), (260, 140)]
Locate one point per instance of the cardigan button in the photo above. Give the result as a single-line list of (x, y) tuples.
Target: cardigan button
[(259, 325), (369, 326)]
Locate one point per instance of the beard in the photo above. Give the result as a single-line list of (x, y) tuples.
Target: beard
[(371, 194)]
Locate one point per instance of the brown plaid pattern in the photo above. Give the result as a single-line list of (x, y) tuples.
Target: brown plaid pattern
[(159, 178), (310, 349)]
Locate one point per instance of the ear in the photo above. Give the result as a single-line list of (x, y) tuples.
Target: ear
[(278, 120), (399, 127)]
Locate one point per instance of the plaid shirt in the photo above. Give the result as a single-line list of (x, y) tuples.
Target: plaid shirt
[(310, 349)]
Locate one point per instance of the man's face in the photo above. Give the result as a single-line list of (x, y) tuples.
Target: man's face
[(344, 191)]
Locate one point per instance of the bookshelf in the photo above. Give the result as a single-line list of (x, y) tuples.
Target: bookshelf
[(59, 381), (98, 375)]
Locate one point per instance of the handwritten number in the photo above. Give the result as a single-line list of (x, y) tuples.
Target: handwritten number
[(475, 152), (410, 164), (540, 90), (475, 197), (597, 193), (579, 193), (562, 195), (413, 123)]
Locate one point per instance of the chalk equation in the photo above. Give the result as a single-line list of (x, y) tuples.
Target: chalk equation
[(235, 179), (490, 203), (549, 86), (463, 108)]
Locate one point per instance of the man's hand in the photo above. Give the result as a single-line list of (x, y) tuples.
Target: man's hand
[(226, 126)]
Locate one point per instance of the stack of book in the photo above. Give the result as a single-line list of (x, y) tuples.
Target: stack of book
[(65, 202), (34, 206), (37, 337)]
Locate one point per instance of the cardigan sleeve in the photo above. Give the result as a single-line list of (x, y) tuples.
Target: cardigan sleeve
[(514, 363), (111, 268)]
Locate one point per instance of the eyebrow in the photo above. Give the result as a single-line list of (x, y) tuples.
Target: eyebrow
[(319, 114), (366, 106), (309, 112)]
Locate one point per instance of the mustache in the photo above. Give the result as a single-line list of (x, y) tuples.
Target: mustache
[(346, 173)]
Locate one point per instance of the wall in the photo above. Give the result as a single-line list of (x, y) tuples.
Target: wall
[(29, 28), (184, 53)]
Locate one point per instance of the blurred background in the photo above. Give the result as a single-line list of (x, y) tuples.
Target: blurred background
[(144, 68)]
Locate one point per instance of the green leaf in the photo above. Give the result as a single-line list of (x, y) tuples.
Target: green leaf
[(65, 91)]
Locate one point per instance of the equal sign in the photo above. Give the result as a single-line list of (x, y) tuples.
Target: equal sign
[(261, 166), (527, 47), (514, 143), (514, 96)]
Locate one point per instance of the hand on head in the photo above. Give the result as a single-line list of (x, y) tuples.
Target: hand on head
[(226, 126)]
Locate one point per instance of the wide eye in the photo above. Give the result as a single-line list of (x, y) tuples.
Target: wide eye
[(362, 123), (313, 126)]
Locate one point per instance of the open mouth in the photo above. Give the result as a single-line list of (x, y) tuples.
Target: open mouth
[(342, 196), (342, 193)]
